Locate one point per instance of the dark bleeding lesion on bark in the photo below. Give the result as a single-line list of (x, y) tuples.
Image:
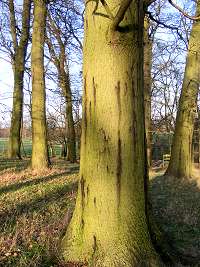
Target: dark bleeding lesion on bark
[(82, 223), (119, 167), (119, 144), (94, 245), (105, 146), (90, 111), (82, 188), (86, 24), (88, 193), (107, 168), (126, 89), (95, 201), (82, 184), (94, 90), (118, 92), (133, 130)]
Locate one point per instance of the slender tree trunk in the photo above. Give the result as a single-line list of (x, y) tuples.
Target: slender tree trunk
[(181, 156), (64, 82), (147, 86), (40, 158), (18, 69), (71, 137), (109, 226), (64, 149)]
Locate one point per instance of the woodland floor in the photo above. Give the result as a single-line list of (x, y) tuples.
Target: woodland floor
[(33, 208), (176, 207)]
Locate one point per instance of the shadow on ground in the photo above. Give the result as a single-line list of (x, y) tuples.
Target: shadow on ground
[(15, 164), (37, 204), (34, 212), (17, 186), (176, 208)]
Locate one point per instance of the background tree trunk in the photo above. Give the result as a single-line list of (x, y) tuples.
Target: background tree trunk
[(39, 133), (71, 137), (60, 62), (181, 156), (64, 149), (109, 225), (18, 69)]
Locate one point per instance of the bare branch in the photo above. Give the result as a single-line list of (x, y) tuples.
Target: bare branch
[(148, 2), (121, 13), (166, 26), (105, 5), (13, 24), (25, 23), (183, 12)]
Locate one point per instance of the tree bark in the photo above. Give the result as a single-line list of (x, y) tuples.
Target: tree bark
[(18, 60), (40, 159), (147, 86), (64, 149), (109, 227), (71, 137), (181, 156)]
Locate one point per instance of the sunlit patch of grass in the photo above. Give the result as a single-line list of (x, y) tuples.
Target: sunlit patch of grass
[(34, 210)]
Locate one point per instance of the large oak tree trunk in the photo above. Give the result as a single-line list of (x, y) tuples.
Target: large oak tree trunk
[(109, 226), (181, 156), (40, 158), (18, 69), (147, 86)]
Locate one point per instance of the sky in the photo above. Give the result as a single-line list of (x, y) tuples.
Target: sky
[(6, 82), (6, 74), (6, 91)]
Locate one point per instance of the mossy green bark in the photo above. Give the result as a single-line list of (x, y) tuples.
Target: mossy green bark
[(181, 156), (148, 43), (40, 158), (18, 70), (109, 226)]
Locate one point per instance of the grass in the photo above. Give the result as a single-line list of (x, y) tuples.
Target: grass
[(26, 147), (176, 207), (34, 208)]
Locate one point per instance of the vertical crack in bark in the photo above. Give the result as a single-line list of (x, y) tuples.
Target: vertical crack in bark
[(118, 92), (119, 145), (82, 186), (94, 91), (90, 112), (88, 194), (95, 201), (94, 248), (119, 168)]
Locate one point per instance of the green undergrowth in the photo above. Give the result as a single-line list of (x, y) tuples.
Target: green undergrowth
[(176, 208), (34, 210)]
